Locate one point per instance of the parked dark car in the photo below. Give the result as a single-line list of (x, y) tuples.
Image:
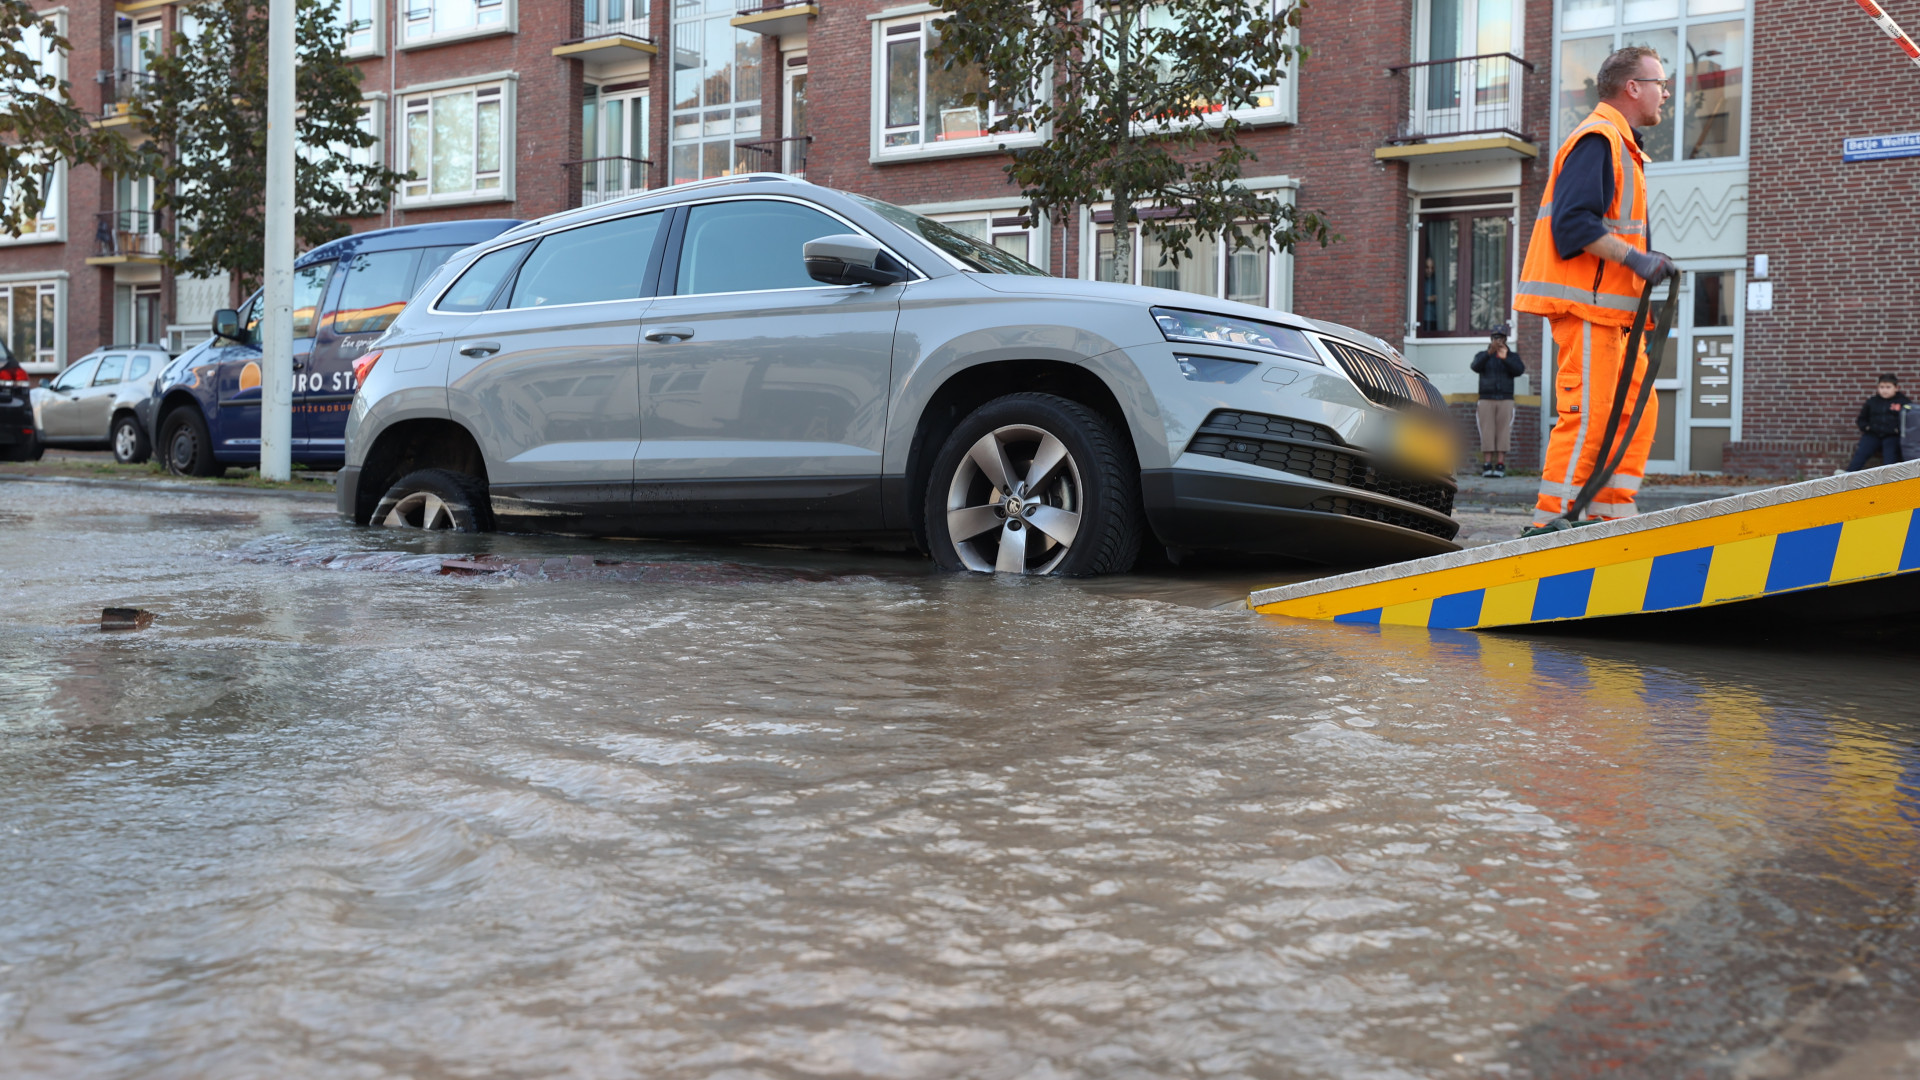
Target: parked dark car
[(19, 440), (103, 401), (345, 294)]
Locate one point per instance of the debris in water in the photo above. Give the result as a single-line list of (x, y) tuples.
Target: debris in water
[(125, 618)]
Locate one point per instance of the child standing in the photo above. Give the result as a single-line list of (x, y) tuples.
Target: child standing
[(1879, 424)]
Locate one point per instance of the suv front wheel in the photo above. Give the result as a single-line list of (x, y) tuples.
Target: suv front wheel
[(1034, 484), (437, 500)]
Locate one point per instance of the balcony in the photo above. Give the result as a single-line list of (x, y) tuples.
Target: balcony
[(609, 32), (119, 89), (788, 155), (127, 236), (776, 18), (1463, 109), (605, 178)]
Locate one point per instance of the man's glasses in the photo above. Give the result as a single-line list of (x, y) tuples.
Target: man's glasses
[(1665, 84)]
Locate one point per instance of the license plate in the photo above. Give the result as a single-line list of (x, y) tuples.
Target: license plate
[(1425, 446)]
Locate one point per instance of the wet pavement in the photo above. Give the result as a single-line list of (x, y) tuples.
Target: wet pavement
[(647, 810)]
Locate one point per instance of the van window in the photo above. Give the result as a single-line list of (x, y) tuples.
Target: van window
[(605, 261), (309, 287), (139, 368), (476, 287), (432, 259), (374, 288), (111, 368), (750, 245)]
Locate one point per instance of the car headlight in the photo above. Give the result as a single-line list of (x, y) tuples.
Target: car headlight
[(1201, 328)]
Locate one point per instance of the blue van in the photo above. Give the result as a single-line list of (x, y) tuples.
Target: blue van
[(344, 294)]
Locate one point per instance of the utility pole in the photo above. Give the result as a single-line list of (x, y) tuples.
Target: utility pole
[(276, 360)]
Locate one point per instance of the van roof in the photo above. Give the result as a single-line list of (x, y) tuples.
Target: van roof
[(436, 234)]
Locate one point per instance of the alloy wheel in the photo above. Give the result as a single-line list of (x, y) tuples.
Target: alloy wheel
[(1014, 503), (421, 510), (126, 442)]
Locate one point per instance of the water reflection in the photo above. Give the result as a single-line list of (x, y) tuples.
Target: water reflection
[(360, 823)]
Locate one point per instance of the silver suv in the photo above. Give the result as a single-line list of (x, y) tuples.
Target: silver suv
[(101, 401), (759, 356)]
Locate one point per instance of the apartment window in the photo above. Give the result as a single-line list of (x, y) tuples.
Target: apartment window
[(613, 137), (1464, 265), (454, 144), (136, 314), (27, 313), (1245, 274), (716, 91), (919, 104), (360, 21), (1269, 102), (450, 18), (1702, 43), (1010, 232), (52, 175), (1469, 81), (605, 17), (794, 159)]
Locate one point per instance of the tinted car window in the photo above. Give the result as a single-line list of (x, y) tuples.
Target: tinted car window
[(605, 261), (750, 245), (250, 316), (76, 376), (111, 369), (375, 287), (477, 286), (309, 286), (139, 368)]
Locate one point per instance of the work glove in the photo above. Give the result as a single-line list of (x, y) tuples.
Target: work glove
[(1650, 265)]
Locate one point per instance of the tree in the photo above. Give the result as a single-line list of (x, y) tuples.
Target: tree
[(1138, 102), (40, 125), (206, 107)]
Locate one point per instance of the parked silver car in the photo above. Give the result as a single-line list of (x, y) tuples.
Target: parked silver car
[(760, 356), (101, 401)]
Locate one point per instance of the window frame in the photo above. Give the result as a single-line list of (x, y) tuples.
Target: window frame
[(1000, 221), (50, 226), (650, 276), (509, 23), (375, 29), (1618, 30), (1502, 202), (1286, 104), (408, 101), (883, 35), (47, 356)]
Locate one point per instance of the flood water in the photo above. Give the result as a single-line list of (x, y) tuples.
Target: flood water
[(740, 813)]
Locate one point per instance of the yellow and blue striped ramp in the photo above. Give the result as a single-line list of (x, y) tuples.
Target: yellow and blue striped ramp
[(1786, 539)]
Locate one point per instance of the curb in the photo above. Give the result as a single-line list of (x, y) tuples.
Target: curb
[(170, 486)]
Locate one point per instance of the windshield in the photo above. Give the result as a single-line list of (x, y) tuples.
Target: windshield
[(972, 254)]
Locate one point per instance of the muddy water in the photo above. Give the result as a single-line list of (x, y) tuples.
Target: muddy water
[(786, 814)]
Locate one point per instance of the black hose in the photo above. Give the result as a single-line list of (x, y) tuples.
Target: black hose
[(1614, 450)]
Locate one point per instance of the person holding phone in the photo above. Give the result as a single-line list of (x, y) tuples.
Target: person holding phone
[(1497, 365)]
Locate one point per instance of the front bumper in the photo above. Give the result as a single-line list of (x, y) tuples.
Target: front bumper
[(346, 492), (1203, 510)]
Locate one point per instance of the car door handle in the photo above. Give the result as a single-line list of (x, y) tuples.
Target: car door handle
[(669, 333), (481, 348)]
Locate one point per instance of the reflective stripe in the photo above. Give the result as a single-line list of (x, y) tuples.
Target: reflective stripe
[(1624, 483), (1559, 490), (1613, 510), (1578, 295), (1626, 226), (1586, 400)]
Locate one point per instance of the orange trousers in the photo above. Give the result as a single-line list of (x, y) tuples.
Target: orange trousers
[(1589, 370)]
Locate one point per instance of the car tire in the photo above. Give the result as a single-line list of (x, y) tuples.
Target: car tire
[(186, 448), (437, 500), (1083, 508), (31, 450), (129, 441)]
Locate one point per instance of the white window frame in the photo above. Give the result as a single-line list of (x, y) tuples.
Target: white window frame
[(1493, 199), (1279, 264), (372, 35), (1618, 30), (1286, 98), (918, 18), (408, 102), (997, 218), (49, 358), (633, 97), (418, 19), (50, 226)]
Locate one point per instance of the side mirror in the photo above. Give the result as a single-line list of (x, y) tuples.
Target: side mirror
[(44, 381), (847, 259), (226, 324)]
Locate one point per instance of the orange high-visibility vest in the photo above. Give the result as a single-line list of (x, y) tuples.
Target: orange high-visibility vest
[(1588, 286)]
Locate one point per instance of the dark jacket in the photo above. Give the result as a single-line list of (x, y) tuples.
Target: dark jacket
[(1881, 416), (1496, 376)]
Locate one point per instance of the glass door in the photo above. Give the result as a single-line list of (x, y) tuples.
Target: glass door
[(1699, 376), (614, 129), (795, 157)]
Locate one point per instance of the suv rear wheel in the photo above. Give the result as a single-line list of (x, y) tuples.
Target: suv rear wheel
[(437, 500), (185, 446), (1034, 484)]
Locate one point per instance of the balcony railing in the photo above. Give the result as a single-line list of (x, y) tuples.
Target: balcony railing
[(788, 155), (118, 89), (1467, 95), (604, 178), (606, 18), (130, 233)]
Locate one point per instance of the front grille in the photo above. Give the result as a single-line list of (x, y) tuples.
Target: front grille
[(1381, 381), (1386, 515), (1308, 449)]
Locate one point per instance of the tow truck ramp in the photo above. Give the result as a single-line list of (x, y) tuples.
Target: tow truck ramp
[(1790, 539)]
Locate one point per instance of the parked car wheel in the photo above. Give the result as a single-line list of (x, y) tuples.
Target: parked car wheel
[(437, 500), (1034, 484), (129, 441), (185, 445), (30, 450)]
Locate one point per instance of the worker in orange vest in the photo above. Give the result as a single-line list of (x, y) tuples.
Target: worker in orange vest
[(1586, 262)]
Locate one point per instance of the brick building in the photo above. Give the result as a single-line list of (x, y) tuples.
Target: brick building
[(1421, 127)]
